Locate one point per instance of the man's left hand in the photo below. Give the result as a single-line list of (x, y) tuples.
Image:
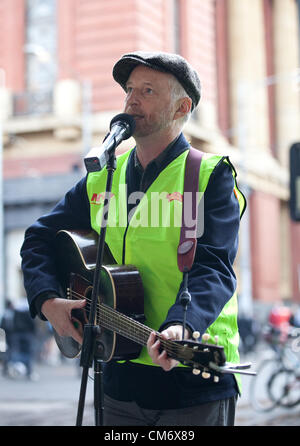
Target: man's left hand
[(160, 357)]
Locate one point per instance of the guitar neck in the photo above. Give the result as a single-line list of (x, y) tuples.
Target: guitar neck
[(131, 329), (124, 325)]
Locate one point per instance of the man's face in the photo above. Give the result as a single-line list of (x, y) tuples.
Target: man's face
[(149, 100)]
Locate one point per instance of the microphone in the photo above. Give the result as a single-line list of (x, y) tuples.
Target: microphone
[(122, 127)]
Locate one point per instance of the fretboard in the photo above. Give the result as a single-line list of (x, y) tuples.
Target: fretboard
[(131, 329)]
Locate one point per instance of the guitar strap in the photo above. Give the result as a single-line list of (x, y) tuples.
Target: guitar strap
[(188, 236)]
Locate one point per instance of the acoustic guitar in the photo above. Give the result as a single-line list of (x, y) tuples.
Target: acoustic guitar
[(120, 308)]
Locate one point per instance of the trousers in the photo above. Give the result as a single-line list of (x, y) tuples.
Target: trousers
[(124, 413)]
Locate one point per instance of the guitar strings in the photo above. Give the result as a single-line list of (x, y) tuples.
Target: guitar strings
[(106, 314), (140, 331)]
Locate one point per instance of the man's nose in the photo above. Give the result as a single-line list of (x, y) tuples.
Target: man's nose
[(133, 97)]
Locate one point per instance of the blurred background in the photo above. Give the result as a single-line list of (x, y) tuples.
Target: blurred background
[(57, 97)]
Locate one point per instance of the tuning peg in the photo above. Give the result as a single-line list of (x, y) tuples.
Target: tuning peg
[(205, 337), (196, 335), (205, 375), (216, 379), (196, 371)]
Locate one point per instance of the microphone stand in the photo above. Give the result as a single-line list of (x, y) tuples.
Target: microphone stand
[(91, 330)]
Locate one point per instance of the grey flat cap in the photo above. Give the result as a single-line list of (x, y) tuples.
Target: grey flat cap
[(165, 62)]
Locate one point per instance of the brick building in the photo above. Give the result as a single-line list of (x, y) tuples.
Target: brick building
[(57, 97)]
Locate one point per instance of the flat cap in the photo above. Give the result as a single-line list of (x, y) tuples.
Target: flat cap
[(160, 61)]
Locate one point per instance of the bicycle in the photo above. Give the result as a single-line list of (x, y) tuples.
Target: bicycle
[(284, 384), (284, 388), (277, 382)]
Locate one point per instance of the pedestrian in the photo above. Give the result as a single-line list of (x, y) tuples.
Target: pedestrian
[(161, 92), (7, 324), (23, 339)]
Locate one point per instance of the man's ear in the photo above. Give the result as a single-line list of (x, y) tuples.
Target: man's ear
[(184, 106)]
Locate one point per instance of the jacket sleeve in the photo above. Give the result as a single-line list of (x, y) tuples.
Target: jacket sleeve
[(37, 251), (212, 281)]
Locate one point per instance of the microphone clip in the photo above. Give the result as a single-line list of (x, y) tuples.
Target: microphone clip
[(122, 127)]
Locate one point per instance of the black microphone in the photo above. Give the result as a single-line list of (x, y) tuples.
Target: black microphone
[(122, 127)]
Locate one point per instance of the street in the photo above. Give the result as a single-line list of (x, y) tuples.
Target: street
[(52, 400)]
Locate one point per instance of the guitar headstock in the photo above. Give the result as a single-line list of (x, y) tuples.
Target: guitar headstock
[(207, 358), (203, 357)]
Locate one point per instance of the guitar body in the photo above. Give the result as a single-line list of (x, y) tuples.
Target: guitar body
[(121, 289)]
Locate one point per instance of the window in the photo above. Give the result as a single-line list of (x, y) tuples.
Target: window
[(40, 59), (40, 48)]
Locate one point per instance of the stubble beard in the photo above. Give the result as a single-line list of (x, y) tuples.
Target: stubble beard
[(145, 129)]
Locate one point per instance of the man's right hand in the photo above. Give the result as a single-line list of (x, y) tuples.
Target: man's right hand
[(58, 312)]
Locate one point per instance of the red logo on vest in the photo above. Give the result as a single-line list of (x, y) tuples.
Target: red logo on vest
[(174, 196), (99, 198)]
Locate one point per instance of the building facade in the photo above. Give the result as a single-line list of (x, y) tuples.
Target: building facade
[(57, 97)]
